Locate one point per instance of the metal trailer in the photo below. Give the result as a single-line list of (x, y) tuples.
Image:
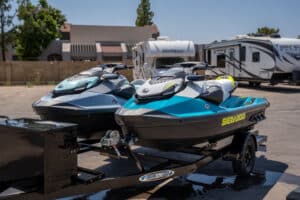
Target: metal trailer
[(40, 160)]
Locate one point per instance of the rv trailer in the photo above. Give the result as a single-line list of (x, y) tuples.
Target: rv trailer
[(256, 59), (150, 55)]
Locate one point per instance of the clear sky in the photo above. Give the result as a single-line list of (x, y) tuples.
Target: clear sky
[(197, 20)]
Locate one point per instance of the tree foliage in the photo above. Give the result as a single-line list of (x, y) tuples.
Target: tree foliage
[(144, 14), (40, 25), (298, 37), (265, 31), (6, 25)]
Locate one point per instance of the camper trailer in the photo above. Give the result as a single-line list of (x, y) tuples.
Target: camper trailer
[(150, 56), (256, 59)]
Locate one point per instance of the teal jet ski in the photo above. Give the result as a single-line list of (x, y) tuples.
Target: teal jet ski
[(176, 110)]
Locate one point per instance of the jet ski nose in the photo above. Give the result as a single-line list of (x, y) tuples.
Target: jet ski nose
[(118, 119)]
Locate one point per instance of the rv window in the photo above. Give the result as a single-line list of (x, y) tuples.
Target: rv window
[(209, 57), (231, 55), (168, 61), (255, 57), (243, 54)]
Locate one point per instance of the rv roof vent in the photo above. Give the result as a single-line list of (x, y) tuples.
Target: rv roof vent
[(275, 35), (163, 38)]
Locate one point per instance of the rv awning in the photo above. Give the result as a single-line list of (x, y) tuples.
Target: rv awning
[(170, 49)]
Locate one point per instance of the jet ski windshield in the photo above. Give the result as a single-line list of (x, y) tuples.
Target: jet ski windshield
[(79, 82)]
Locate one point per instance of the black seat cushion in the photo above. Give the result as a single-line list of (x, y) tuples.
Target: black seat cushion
[(213, 94)]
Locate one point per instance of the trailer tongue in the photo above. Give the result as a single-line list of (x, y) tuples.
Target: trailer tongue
[(39, 160)]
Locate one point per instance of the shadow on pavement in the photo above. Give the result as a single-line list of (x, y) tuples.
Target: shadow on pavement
[(276, 88)]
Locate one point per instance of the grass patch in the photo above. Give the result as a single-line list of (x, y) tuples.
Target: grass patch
[(7, 83), (51, 83), (29, 84)]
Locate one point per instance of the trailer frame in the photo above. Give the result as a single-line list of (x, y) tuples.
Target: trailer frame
[(90, 181)]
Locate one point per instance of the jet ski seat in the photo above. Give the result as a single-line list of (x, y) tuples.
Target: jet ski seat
[(126, 91), (217, 91)]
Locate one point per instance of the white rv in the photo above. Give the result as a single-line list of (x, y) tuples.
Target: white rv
[(153, 54), (256, 59)]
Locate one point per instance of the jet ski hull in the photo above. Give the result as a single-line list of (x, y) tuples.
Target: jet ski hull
[(88, 99), (159, 129), (92, 123)]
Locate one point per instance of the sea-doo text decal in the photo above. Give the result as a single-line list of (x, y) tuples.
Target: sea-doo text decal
[(233, 119)]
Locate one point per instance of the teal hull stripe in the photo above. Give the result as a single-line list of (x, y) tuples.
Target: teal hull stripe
[(184, 107)]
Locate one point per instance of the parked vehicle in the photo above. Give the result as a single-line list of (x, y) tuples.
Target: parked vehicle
[(111, 67), (256, 59), (149, 56), (174, 110), (88, 99)]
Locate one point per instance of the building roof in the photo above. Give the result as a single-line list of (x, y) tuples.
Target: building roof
[(92, 34)]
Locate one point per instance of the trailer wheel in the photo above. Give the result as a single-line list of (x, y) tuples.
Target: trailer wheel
[(244, 165)]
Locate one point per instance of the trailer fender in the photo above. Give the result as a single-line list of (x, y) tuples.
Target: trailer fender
[(240, 140)]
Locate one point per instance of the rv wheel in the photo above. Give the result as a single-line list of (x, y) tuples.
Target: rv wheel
[(254, 84), (257, 84), (244, 165), (251, 84)]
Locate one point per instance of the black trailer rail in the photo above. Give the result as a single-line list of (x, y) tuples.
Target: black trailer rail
[(85, 181)]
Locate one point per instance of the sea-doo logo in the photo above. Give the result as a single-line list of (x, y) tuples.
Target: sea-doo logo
[(233, 119), (145, 90), (155, 176)]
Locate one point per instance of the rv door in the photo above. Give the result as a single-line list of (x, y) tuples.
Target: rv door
[(233, 63)]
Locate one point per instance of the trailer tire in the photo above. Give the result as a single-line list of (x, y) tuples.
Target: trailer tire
[(245, 162)]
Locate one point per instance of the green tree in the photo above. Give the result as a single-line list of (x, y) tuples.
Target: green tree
[(298, 37), (267, 30), (40, 25), (144, 14), (6, 25)]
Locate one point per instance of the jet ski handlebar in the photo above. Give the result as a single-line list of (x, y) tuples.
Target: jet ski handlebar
[(194, 77), (109, 76)]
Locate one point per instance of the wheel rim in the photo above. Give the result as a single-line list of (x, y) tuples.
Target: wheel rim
[(248, 158)]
